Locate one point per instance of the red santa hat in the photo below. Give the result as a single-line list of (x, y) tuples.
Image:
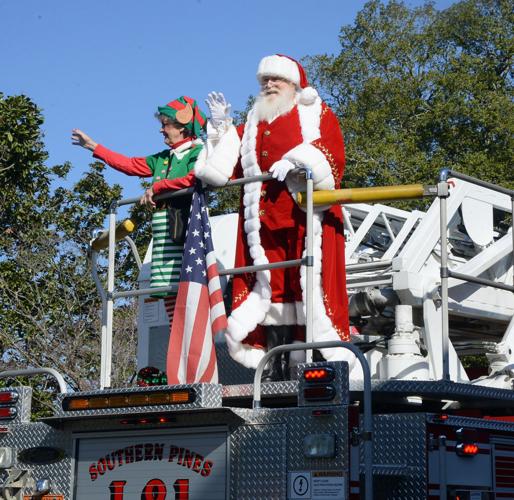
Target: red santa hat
[(288, 68)]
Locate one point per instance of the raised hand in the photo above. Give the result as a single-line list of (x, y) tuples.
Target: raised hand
[(219, 108), (79, 138)]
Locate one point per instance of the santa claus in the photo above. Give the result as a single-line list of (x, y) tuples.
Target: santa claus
[(288, 127)]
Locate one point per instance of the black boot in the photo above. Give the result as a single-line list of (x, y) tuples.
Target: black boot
[(287, 338), (273, 370)]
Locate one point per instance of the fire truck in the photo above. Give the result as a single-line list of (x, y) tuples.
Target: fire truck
[(426, 289)]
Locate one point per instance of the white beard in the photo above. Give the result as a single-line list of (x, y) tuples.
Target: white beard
[(267, 108)]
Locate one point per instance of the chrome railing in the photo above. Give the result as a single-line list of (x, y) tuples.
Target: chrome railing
[(445, 272), (110, 295)]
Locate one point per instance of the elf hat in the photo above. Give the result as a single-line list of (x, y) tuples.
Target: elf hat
[(185, 111), (288, 68)]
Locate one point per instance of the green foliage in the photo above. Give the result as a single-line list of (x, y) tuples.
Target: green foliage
[(224, 200), (50, 314), (418, 90), (23, 175)]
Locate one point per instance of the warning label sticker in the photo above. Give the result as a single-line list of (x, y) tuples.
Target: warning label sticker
[(316, 485)]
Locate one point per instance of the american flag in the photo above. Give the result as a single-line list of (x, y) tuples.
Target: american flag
[(199, 311)]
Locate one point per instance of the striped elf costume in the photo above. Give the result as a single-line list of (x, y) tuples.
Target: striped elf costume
[(170, 169)]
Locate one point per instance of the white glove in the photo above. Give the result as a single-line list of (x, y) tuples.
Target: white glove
[(219, 109), (280, 169)]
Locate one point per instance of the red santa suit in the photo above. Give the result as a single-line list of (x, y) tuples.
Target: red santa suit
[(272, 227)]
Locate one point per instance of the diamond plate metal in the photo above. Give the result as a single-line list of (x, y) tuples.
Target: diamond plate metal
[(264, 444), (207, 396), (340, 383), (295, 424), (399, 446), (21, 437), (440, 389), (258, 462), (299, 424), (286, 388), (477, 423)]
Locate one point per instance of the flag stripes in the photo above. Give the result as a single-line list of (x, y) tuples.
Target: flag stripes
[(199, 311)]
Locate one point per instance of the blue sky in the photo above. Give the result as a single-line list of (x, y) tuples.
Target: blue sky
[(104, 66)]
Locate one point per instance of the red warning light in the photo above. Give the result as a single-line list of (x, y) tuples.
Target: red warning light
[(7, 413), (467, 449), (8, 397), (324, 374), (319, 393)]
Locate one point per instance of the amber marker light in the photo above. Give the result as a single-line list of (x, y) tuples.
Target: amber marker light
[(137, 400), (181, 397), (117, 401), (98, 403), (159, 398), (74, 404), (128, 400)]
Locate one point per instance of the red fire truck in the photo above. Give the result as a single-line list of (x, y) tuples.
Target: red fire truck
[(425, 290)]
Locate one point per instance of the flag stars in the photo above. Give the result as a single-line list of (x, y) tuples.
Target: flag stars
[(198, 215), (206, 234), (189, 269), (192, 251), (199, 261), (196, 232)]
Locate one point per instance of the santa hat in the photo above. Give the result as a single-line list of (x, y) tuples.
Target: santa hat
[(288, 68), (186, 111)]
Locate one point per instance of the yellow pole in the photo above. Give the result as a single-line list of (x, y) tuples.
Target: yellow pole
[(367, 195), (122, 229)]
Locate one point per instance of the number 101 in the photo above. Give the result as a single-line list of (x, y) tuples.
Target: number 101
[(155, 489)]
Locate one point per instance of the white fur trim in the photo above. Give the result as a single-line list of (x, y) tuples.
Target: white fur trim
[(281, 314), (307, 96), (310, 156), (221, 159), (310, 119), (279, 66), (246, 355), (323, 328), (254, 308), (307, 154)]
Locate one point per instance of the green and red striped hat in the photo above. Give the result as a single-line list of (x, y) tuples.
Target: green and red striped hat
[(185, 111)]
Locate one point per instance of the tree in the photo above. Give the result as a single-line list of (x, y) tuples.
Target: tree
[(418, 89), (50, 314)]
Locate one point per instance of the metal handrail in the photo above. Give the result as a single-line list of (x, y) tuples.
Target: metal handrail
[(37, 371), (111, 295), (445, 272), (367, 408)]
